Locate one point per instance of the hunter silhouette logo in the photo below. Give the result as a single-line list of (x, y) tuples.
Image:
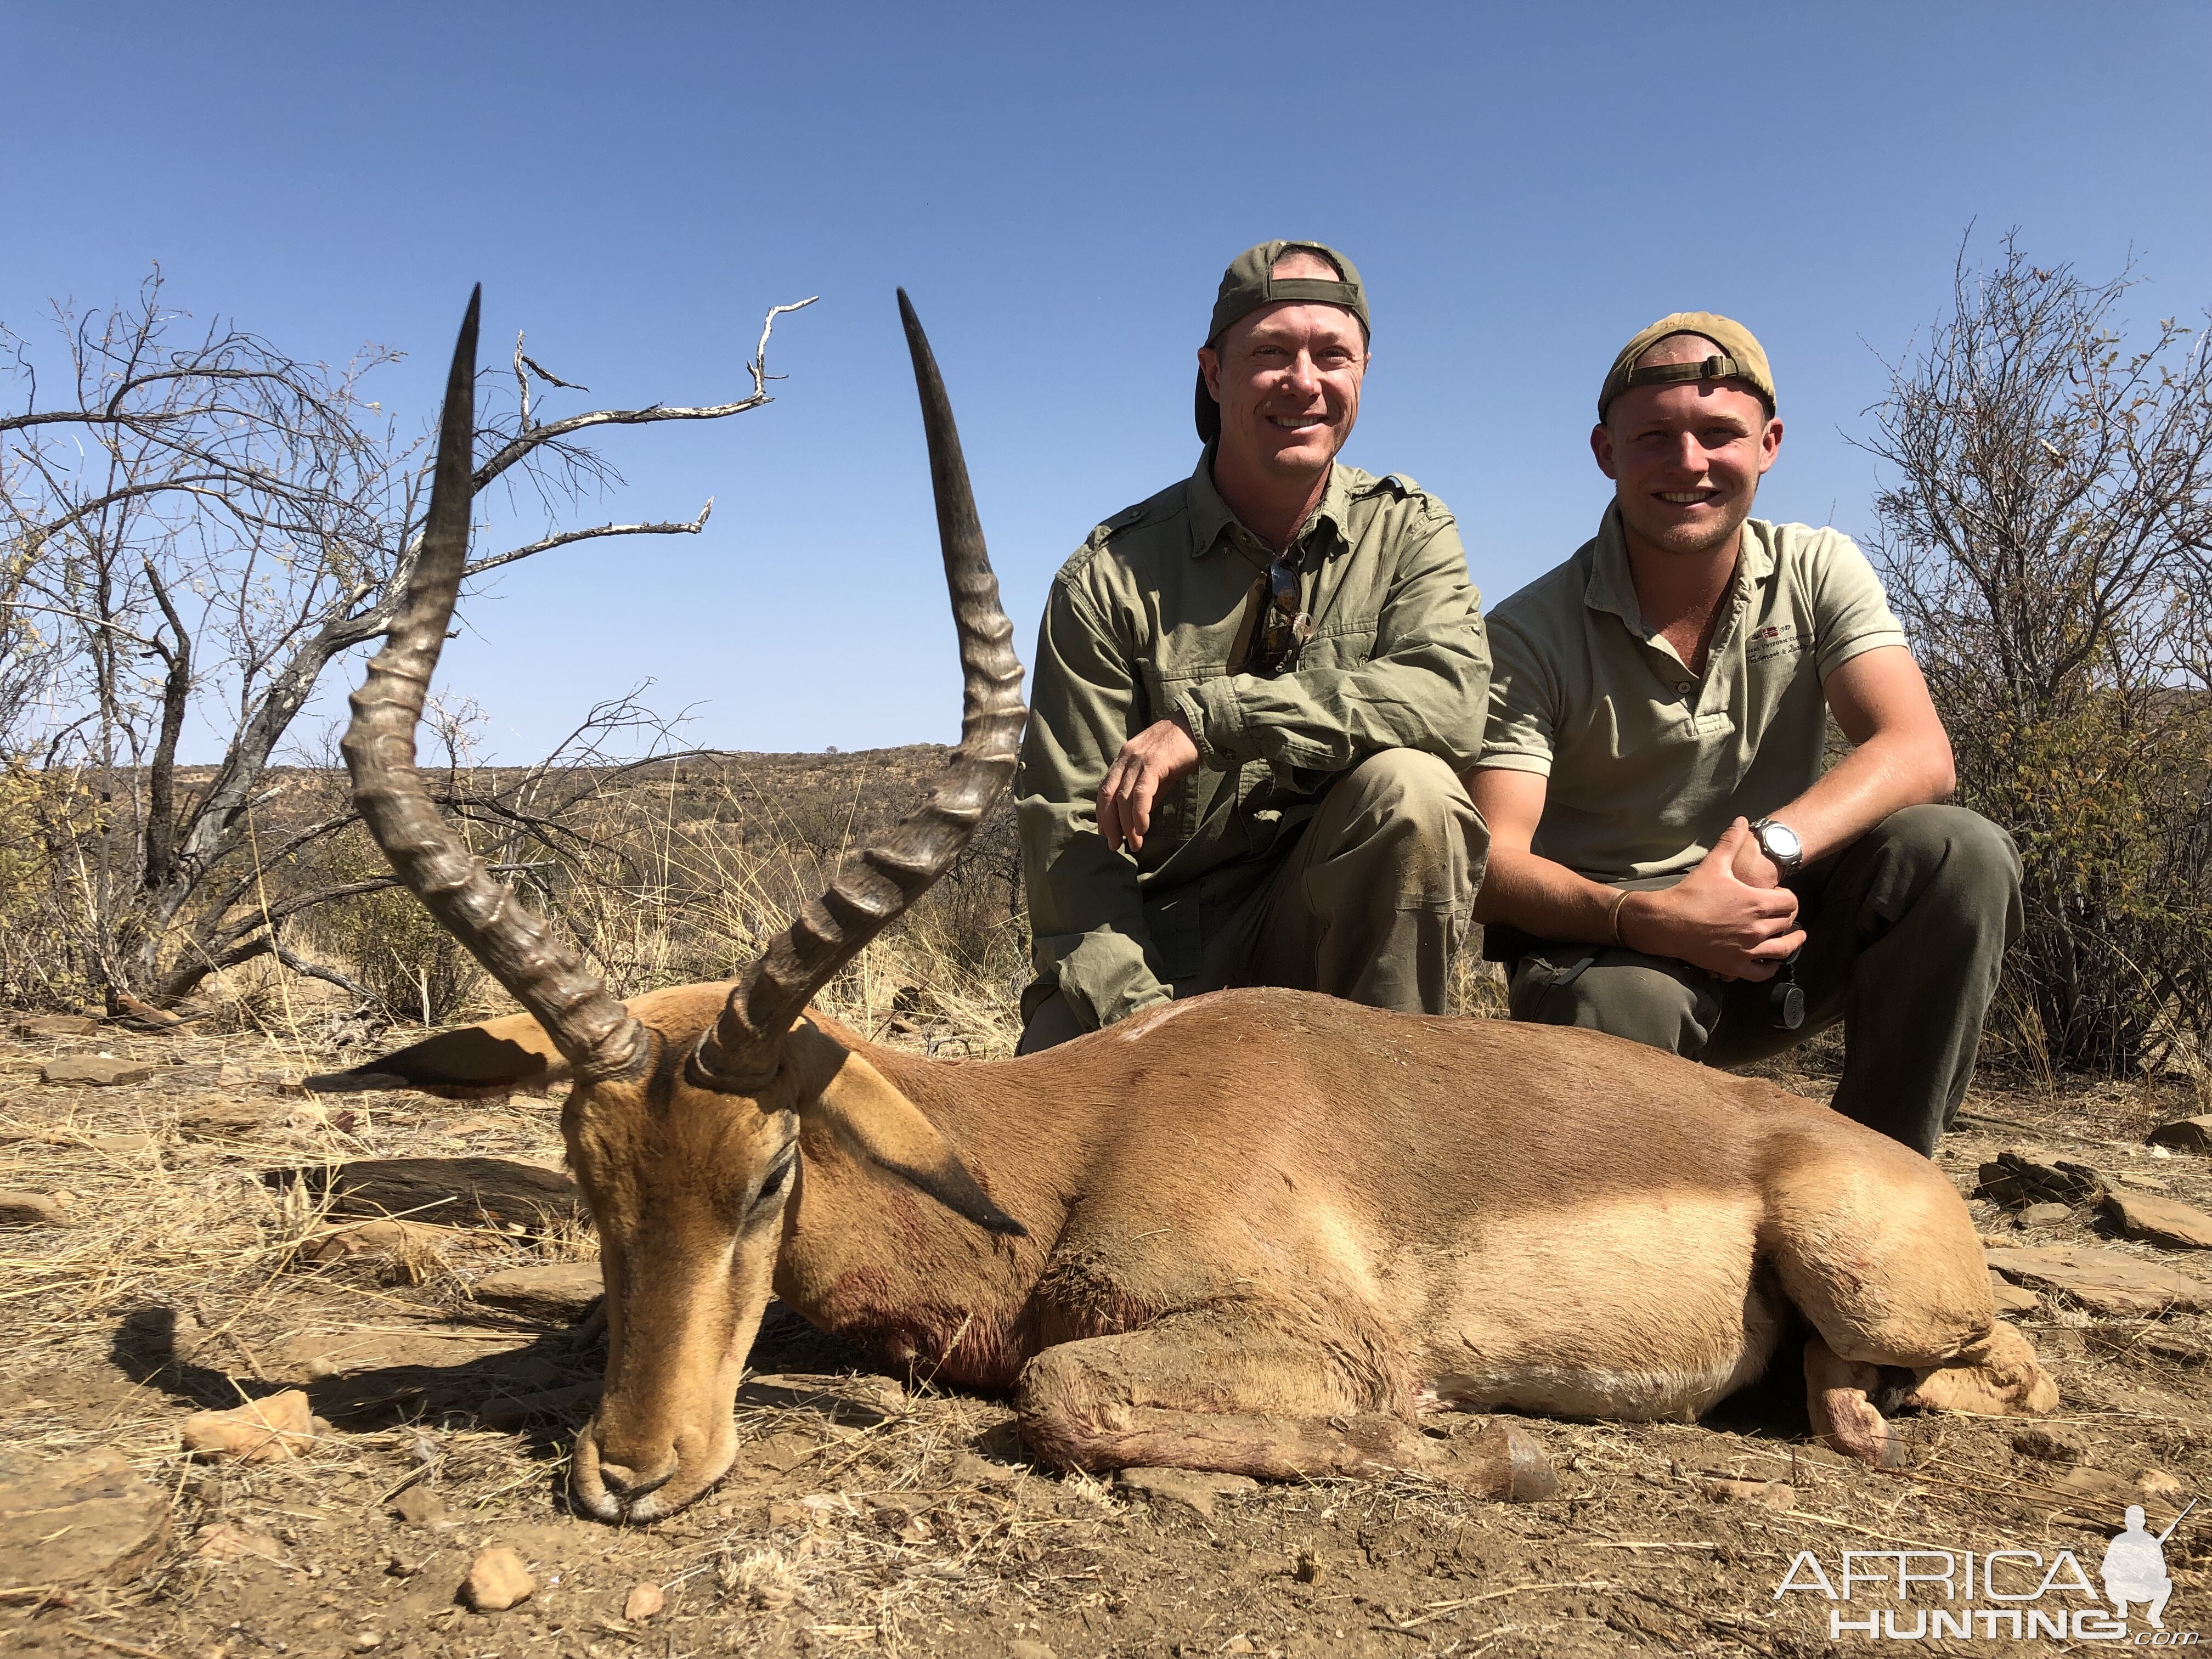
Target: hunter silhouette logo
[(2134, 1567)]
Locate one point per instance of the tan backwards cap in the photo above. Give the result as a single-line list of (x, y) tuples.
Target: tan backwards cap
[(1741, 358), (1250, 283)]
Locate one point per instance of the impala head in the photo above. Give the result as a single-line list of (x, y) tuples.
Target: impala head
[(683, 1126)]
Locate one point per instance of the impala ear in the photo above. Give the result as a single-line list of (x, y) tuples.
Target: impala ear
[(875, 1122), (463, 1065)]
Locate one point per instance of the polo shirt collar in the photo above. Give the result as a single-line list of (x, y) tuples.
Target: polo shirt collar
[(1211, 518), (1611, 584)]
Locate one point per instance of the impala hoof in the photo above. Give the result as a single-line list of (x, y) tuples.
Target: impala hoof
[(1502, 1461)]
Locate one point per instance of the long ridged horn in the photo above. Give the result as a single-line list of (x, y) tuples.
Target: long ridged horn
[(742, 1049), (589, 1026)]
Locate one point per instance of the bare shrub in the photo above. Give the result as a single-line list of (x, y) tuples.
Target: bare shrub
[(194, 524), (2046, 543)]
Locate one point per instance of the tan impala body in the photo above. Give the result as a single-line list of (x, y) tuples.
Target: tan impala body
[(1257, 1232)]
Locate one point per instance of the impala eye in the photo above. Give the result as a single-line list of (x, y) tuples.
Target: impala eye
[(778, 1179)]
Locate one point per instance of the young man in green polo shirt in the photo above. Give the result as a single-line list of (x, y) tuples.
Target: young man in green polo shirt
[(1663, 840)]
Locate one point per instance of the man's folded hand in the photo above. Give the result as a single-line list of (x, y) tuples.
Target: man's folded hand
[(1715, 918)]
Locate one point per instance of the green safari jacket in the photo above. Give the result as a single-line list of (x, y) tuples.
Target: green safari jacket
[(1141, 623)]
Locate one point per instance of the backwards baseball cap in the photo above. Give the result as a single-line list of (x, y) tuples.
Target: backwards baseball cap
[(1250, 283), (1740, 357)]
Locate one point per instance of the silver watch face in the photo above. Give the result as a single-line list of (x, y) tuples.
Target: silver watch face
[(1780, 843)]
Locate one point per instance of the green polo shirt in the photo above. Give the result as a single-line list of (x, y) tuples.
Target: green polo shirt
[(1648, 762), (1142, 623)]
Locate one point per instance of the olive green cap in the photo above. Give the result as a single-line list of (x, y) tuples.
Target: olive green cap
[(1250, 283), (1740, 358)]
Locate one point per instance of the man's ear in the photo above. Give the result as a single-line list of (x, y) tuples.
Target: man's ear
[(879, 1124), (1209, 365), (464, 1065), (1602, 448), (1770, 445)]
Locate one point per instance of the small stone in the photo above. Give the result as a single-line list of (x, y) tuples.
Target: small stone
[(225, 1542), (78, 1520), (2161, 1221), (186, 1335), (205, 1074), (120, 1145), (227, 1121), (266, 1431), (93, 1071), (2010, 1298), (1309, 1569), (2157, 1483), (358, 1238), (2190, 1134), (2150, 1184), (642, 1603), (562, 1291), (418, 1506), (497, 1580), (2029, 1174), (57, 1025), (1771, 1494), (2046, 1215), (2050, 1443), (1191, 1489), (22, 1209), (1021, 1648), (969, 1470), (1239, 1643), (368, 1641), (2103, 1281), (2132, 1340), (781, 1513)]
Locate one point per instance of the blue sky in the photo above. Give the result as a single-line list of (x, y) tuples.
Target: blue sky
[(1058, 188)]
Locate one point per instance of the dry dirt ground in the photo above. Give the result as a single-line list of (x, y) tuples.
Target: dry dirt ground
[(875, 1514)]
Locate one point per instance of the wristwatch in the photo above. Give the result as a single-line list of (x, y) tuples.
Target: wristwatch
[(1779, 842)]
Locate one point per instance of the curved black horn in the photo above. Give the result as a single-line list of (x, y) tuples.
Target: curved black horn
[(586, 1024), (890, 874)]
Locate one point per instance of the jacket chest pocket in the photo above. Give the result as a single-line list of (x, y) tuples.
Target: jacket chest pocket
[(1339, 645)]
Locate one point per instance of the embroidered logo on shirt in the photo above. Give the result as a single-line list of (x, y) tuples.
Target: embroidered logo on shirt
[(1774, 640)]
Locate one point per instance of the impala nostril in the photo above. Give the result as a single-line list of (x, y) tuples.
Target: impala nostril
[(623, 1482)]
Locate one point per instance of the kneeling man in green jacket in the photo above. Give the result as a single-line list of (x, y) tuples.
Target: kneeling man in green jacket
[(1254, 694)]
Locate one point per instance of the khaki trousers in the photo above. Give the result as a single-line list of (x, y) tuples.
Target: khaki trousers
[(1368, 903), (1906, 931)]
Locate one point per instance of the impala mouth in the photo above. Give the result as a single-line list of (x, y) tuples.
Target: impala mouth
[(652, 1500)]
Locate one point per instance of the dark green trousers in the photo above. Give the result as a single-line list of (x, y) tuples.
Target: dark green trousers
[(1906, 931)]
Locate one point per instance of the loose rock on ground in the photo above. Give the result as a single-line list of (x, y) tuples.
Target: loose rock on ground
[(497, 1580)]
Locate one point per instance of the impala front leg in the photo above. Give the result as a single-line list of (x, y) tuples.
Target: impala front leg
[(1839, 1400), (1193, 1393)]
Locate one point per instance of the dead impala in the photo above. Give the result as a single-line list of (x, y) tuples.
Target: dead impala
[(1260, 1231)]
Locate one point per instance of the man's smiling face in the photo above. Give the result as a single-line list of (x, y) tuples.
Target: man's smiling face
[(1686, 459), (1287, 379)]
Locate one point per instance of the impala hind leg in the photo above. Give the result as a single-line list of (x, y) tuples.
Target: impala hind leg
[(1244, 1402), (1871, 1243)]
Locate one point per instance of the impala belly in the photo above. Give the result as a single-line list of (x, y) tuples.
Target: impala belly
[(1636, 1307)]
